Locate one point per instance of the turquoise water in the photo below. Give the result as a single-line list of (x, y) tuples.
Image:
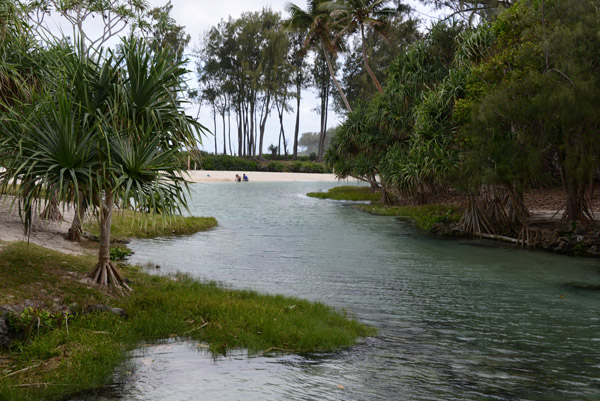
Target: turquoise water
[(457, 319)]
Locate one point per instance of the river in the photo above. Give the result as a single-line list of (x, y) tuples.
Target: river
[(457, 319)]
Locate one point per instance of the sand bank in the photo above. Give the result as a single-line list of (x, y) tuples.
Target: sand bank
[(255, 176)]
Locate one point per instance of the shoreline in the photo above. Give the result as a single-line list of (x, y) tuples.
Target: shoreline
[(51, 234), (254, 176)]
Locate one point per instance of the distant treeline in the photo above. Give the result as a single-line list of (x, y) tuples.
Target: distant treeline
[(206, 161)]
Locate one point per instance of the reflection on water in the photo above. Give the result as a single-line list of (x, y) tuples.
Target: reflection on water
[(456, 321)]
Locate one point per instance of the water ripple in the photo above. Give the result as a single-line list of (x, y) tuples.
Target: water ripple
[(457, 320)]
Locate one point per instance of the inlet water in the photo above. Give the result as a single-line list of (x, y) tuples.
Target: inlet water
[(457, 319)]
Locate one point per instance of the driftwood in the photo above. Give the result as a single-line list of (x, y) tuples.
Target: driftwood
[(501, 238)]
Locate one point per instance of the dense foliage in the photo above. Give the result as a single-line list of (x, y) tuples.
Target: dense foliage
[(490, 109)]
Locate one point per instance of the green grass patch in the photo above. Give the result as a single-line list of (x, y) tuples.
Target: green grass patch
[(55, 363), (424, 216), (127, 224), (349, 193)]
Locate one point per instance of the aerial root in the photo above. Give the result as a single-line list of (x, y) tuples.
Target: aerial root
[(52, 211), (107, 274)]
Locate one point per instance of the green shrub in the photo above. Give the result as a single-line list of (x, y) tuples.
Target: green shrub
[(225, 162), (120, 253), (307, 167), (276, 167)]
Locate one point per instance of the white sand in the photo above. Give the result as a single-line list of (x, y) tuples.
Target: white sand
[(257, 176), (49, 234)]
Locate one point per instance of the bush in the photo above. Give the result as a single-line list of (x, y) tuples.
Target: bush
[(307, 167), (120, 253), (276, 167), (226, 163)]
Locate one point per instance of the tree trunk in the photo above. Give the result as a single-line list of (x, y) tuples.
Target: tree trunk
[(322, 133), (229, 130), (238, 117), (251, 133), (74, 233), (574, 211), (576, 177), (263, 123), (297, 128), (335, 81), (324, 111), (280, 112), (371, 74), (285, 152), (105, 272), (215, 125), (224, 133)]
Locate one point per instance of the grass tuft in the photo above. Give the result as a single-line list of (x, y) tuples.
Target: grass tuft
[(349, 193)]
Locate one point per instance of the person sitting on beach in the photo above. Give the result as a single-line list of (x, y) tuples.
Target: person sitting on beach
[(238, 178), (245, 177)]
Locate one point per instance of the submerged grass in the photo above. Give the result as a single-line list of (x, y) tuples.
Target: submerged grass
[(54, 363), (349, 193), (127, 224), (425, 217)]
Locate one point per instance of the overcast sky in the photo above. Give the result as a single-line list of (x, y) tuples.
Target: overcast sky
[(198, 16)]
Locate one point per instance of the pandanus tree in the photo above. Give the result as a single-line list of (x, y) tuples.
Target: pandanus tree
[(125, 154), (316, 22)]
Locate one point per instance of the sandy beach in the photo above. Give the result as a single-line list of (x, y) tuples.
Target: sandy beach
[(51, 234), (257, 176)]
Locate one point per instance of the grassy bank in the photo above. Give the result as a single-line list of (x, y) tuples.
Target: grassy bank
[(349, 193), (127, 224), (425, 217), (49, 361)]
